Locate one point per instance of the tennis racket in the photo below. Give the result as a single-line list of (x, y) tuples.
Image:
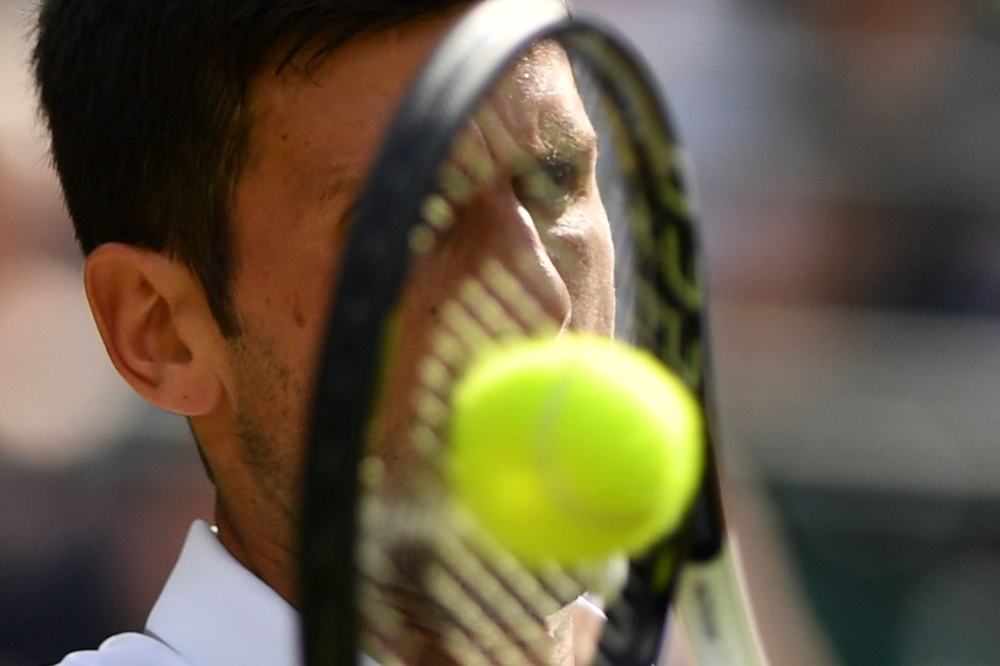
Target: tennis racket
[(530, 185)]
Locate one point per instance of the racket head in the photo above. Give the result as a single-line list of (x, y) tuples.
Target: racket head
[(357, 509)]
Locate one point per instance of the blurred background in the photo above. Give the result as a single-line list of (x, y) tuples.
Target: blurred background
[(96, 489), (848, 160), (848, 156)]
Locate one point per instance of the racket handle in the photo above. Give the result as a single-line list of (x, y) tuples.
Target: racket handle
[(715, 612)]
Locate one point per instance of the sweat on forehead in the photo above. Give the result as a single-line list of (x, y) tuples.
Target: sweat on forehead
[(545, 59)]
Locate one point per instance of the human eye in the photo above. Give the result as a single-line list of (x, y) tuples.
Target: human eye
[(550, 184)]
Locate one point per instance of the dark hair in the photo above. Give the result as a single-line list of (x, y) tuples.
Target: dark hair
[(147, 103)]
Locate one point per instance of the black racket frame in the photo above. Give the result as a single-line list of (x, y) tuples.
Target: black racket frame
[(375, 262)]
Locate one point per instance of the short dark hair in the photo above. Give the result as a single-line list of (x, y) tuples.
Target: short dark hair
[(147, 104)]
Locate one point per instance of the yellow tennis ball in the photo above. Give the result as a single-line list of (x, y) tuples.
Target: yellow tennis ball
[(574, 449)]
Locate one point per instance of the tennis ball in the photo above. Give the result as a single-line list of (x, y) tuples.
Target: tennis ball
[(574, 449)]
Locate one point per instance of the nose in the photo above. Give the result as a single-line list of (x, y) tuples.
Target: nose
[(498, 233)]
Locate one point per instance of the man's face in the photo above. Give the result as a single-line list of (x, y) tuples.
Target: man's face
[(313, 140)]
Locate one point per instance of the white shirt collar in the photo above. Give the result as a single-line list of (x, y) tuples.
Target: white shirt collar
[(214, 612)]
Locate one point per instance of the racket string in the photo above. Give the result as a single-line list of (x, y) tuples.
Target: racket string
[(490, 610), (482, 593), (498, 605), (434, 582)]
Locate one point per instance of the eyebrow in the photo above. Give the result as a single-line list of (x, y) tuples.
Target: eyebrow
[(569, 138)]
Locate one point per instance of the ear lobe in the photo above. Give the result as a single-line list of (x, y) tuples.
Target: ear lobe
[(152, 315)]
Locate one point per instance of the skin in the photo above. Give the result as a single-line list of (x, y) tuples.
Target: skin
[(313, 139)]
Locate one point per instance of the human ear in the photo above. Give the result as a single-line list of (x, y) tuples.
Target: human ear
[(154, 318)]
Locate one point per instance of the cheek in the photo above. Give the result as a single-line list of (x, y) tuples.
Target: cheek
[(283, 290), (292, 320), (274, 376), (288, 244)]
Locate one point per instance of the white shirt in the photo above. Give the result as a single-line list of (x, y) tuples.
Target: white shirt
[(211, 612)]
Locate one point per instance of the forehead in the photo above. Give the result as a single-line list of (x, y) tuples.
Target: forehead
[(369, 74), (539, 100), (541, 80), (327, 120), (546, 67), (345, 97), (315, 127)]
